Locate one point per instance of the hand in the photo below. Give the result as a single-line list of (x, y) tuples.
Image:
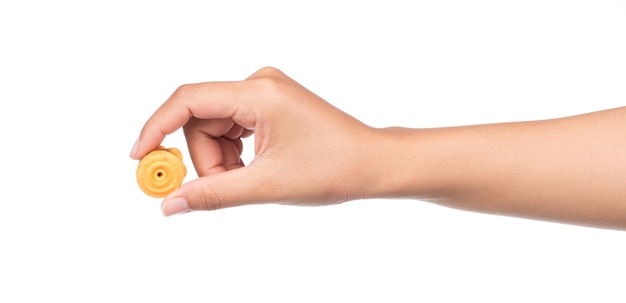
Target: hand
[(307, 152)]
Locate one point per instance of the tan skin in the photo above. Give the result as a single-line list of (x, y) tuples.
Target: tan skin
[(307, 152)]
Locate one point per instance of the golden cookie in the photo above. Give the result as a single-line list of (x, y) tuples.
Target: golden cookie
[(161, 172)]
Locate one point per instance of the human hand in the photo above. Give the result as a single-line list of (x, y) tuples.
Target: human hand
[(307, 152)]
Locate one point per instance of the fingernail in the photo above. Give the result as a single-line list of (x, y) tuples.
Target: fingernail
[(133, 152), (175, 206)]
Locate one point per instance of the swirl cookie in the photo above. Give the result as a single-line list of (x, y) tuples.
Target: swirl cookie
[(161, 172)]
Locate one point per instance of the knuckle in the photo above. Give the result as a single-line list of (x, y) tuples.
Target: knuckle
[(269, 71), (271, 82), (269, 85), (182, 92), (267, 77), (211, 198)]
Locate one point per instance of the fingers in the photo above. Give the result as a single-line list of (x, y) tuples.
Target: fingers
[(235, 132), (225, 156), (213, 100), (214, 145)]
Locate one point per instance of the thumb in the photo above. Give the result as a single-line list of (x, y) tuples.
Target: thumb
[(231, 188)]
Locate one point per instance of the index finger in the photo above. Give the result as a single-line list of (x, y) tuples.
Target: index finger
[(208, 100)]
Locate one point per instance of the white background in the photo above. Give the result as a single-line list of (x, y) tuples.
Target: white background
[(79, 79)]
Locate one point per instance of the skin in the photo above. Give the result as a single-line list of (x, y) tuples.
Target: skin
[(307, 152)]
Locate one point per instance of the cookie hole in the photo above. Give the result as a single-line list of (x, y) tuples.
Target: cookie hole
[(159, 174)]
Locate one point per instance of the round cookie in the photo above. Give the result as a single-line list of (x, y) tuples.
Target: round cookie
[(161, 172)]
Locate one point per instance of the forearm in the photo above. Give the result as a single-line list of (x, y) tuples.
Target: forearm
[(569, 170)]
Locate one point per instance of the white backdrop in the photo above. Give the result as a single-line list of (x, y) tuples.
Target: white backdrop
[(78, 79)]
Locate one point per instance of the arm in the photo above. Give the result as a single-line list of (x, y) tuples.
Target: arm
[(570, 170), (307, 152)]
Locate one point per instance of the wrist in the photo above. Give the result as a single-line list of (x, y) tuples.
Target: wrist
[(410, 163)]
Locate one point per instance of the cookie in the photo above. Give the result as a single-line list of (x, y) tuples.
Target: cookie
[(161, 172)]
